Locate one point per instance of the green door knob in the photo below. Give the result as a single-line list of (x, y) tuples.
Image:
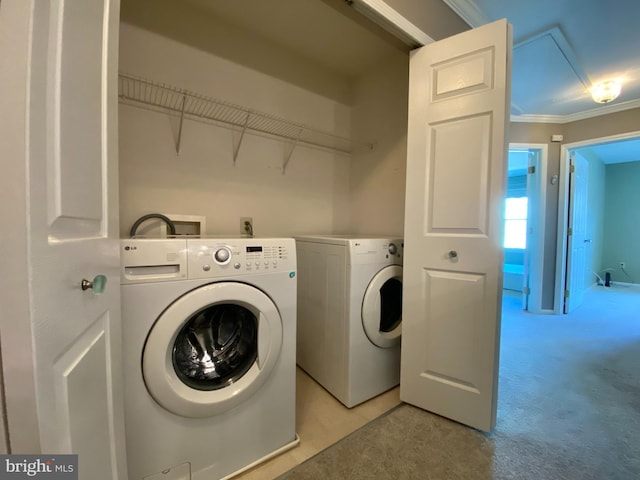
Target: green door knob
[(97, 286)]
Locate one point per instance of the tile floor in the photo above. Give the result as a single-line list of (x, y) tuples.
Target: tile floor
[(321, 421)]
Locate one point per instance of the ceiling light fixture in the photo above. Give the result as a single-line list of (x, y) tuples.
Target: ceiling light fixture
[(605, 92)]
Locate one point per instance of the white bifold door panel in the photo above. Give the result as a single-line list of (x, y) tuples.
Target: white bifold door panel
[(72, 224), (456, 174)]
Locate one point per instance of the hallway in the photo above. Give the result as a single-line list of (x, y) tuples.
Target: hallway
[(569, 408)]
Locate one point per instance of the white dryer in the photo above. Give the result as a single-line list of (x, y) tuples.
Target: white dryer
[(209, 331), (350, 314)]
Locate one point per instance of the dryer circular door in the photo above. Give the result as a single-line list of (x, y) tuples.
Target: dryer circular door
[(382, 307), (211, 349)]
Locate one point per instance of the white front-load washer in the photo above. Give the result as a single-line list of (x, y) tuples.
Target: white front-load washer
[(209, 329), (350, 313)]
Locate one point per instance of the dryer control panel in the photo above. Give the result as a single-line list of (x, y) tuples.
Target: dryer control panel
[(209, 258), (373, 250)]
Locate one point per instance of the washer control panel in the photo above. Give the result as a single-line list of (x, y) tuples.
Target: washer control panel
[(211, 257), (146, 260)]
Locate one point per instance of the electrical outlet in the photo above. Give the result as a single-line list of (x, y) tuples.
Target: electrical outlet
[(246, 226), (623, 265)]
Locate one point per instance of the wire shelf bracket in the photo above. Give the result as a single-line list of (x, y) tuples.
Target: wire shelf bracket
[(236, 146), (179, 140), (183, 104), (288, 152)]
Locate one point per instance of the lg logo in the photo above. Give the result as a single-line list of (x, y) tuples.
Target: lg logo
[(129, 247)]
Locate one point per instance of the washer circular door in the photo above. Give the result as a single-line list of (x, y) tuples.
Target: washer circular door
[(382, 307), (212, 349)]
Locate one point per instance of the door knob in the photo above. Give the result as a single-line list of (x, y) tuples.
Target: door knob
[(97, 286), (453, 254)]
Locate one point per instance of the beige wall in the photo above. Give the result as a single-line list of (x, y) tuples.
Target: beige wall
[(592, 128), (311, 197), (378, 175), (377, 183), (541, 133), (321, 192), (186, 23), (603, 126)]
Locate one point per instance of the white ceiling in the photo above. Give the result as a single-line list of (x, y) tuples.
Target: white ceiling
[(622, 151), (562, 47)]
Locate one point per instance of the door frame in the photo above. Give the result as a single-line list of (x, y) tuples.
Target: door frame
[(536, 248), (563, 211)]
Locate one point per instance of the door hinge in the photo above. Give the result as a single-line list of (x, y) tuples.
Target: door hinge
[(532, 169), (570, 231), (566, 294), (572, 169), (526, 290)]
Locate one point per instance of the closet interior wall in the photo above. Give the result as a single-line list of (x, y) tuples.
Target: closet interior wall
[(321, 191), (377, 185)]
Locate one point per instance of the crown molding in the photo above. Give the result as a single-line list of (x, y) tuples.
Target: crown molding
[(468, 11), (574, 117)]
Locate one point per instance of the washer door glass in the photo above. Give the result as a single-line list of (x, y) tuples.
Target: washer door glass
[(216, 346), (212, 348), (382, 307)]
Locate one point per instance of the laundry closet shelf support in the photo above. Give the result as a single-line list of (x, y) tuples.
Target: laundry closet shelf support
[(184, 101), (236, 148), (183, 104), (289, 152)]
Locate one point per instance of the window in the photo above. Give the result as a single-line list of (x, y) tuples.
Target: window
[(515, 223)]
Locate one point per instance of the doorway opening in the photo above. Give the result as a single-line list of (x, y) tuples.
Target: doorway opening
[(524, 223), (590, 246)]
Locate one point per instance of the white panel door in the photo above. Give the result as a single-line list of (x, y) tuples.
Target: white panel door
[(456, 174), (71, 224), (578, 243)]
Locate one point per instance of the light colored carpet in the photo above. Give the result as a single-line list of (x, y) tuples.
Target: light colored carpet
[(569, 408)]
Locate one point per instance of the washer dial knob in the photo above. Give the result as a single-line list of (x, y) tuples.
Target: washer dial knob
[(393, 249), (222, 255)]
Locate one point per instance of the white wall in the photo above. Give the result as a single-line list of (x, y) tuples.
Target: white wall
[(311, 197)]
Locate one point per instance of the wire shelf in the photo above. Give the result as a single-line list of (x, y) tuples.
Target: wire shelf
[(157, 96)]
